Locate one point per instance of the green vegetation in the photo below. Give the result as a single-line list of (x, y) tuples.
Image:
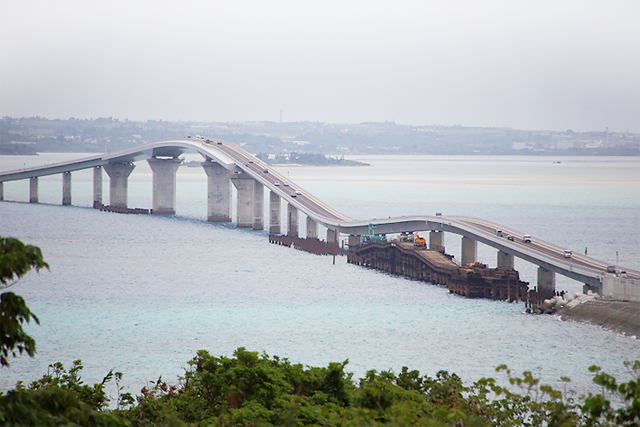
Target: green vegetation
[(249, 389), (16, 259)]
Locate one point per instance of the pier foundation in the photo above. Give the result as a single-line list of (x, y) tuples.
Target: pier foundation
[(312, 229), (292, 220), (505, 260), (245, 207), (332, 236), (469, 251), (164, 184), (97, 185), (118, 182), (274, 213), (66, 188), (258, 206), (546, 280), (33, 190), (355, 240), (218, 192), (436, 241)]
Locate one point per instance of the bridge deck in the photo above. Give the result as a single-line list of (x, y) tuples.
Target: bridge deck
[(235, 159)]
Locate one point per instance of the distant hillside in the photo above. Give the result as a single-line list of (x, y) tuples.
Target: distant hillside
[(37, 134)]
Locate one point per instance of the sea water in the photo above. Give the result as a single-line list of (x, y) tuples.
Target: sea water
[(143, 293)]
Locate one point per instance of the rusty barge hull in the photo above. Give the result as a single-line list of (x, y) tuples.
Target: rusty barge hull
[(473, 281)]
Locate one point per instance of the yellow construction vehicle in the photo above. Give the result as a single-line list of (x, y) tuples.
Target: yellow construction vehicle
[(419, 241)]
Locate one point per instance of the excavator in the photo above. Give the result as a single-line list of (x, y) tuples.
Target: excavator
[(373, 238), (419, 242)]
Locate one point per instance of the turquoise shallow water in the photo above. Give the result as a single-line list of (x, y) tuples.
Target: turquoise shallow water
[(144, 293)]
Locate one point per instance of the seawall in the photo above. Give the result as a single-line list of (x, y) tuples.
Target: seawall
[(618, 316)]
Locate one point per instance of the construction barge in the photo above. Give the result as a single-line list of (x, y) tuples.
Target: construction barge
[(475, 280)]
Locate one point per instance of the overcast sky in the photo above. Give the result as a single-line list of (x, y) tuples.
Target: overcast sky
[(544, 65)]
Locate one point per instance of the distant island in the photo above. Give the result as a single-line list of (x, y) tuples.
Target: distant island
[(309, 159), (31, 135)]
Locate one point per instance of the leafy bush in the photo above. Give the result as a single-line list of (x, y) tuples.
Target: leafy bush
[(249, 389)]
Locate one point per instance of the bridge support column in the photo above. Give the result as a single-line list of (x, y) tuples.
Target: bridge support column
[(436, 241), (258, 206), (355, 240), (469, 249), (274, 213), (312, 229), (1, 191), (97, 185), (33, 190), (546, 280), (66, 188), (332, 236), (118, 182), (292, 220), (505, 260), (218, 192), (245, 209), (164, 184)]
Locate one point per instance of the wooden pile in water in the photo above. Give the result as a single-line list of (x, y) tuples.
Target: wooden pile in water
[(316, 246), (117, 209)]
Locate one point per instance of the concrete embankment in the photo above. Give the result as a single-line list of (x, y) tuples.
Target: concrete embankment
[(618, 316)]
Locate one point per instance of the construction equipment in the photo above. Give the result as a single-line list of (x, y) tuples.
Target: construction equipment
[(373, 238), (419, 241), (406, 237)]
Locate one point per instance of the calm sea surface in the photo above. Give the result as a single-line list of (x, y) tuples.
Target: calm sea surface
[(142, 294)]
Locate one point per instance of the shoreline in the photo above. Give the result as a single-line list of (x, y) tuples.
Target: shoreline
[(618, 316)]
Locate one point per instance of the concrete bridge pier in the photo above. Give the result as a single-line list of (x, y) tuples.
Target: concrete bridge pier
[(332, 236), (118, 182), (258, 206), (312, 229), (33, 190), (1, 191), (292, 220), (97, 185), (218, 192), (274, 213), (546, 280), (66, 188), (355, 240), (436, 241), (469, 251), (164, 184), (245, 208), (505, 260)]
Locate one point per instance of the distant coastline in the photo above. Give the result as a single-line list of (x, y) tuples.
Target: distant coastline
[(307, 159), (22, 136)]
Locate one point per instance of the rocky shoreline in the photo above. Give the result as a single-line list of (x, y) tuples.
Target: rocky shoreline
[(618, 316)]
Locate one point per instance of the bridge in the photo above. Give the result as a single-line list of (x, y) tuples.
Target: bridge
[(227, 165)]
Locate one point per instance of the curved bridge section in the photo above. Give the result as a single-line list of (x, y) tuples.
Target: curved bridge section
[(228, 165)]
